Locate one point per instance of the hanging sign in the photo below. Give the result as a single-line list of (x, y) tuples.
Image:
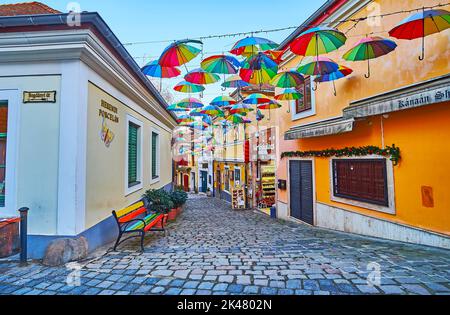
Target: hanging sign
[(39, 97)]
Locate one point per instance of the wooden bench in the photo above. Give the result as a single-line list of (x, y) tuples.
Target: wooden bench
[(136, 219)]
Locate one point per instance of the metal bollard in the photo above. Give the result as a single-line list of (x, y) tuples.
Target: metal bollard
[(23, 235)]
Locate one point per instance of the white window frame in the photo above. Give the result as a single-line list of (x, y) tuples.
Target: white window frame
[(307, 113), (130, 190), (391, 209), (12, 97), (158, 156)]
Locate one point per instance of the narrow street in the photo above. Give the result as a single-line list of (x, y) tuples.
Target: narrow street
[(214, 250)]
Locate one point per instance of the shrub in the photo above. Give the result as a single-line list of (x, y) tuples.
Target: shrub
[(179, 198), (159, 200)]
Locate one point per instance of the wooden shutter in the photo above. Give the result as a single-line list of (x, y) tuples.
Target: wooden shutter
[(3, 141), (362, 180), (305, 103), (132, 154), (155, 155)]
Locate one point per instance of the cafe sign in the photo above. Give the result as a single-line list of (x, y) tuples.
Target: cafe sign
[(39, 97)]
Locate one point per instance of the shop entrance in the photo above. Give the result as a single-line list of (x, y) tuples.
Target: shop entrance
[(301, 191), (204, 181)]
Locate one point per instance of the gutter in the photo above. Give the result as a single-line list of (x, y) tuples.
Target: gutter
[(88, 18)]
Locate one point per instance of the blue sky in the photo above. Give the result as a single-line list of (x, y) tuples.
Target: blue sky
[(138, 20)]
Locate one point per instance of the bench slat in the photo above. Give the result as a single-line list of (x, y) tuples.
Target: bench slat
[(132, 215), (127, 210), (154, 222), (140, 225)]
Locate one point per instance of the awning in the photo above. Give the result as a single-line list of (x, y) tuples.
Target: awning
[(322, 128), (436, 90)]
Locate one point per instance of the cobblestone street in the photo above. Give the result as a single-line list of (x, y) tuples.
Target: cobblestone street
[(214, 250)]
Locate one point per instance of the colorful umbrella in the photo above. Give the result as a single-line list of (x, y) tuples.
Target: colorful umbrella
[(276, 55), (235, 119), (200, 76), (190, 102), (221, 64), (201, 125), (212, 110), (235, 82), (246, 51), (223, 101), (241, 109), (177, 108), (187, 87), (259, 61), (179, 53), (197, 112), (290, 94), (339, 74), (258, 77), (154, 69), (288, 79), (262, 44), (422, 24), (370, 48), (317, 66), (184, 118), (317, 41), (257, 99), (270, 105)]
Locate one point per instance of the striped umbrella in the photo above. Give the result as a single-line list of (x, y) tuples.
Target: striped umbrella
[(179, 53), (155, 70), (235, 119), (190, 102), (317, 41), (370, 48), (257, 99), (287, 79), (197, 112), (317, 66), (258, 77), (184, 118), (177, 108), (290, 94), (254, 44), (270, 105), (200, 76), (223, 101), (235, 82), (187, 87), (422, 24), (339, 74), (212, 110), (259, 61), (241, 109), (221, 64)]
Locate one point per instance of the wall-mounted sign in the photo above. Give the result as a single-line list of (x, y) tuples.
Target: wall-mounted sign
[(106, 135), (39, 97), (109, 112)]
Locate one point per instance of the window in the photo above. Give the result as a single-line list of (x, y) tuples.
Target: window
[(237, 175), (134, 155), (304, 104), (155, 155), (362, 180), (3, 137), (226, 179)]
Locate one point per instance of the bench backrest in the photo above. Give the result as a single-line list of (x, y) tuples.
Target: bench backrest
[(130, 212)]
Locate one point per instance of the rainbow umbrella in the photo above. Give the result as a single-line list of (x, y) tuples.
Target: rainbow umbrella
[(317, 41), (212, 110), (201, 125), (288, 79), (190, 103), (221, 64), (422, 24), (187, 87), (257, 99), (262, 44), (241, 109), (155, 70), (270, 105), (207, 119), (177, 108), (370, 48), (223, 101), (259, 61), (263, 76), (276, 55), (235, 82), (317, 66), (235, 119), (200, 76), (179, 53), (184, 118), (339, 74), (197, 112), (290, 94)]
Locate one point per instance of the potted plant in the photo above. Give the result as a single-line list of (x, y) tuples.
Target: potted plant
[(159, 201), (179, 198)]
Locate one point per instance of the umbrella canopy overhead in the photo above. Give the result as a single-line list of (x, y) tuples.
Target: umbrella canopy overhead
[(212, 110), (221, 64), (223, 101), (259, 61), (422, 24), (235, 119), (190, 102), (258, 77), (276, 55), (290, 94), (258, 43), (187, 87), (257, 99), (179, 53), (270, 105), (241, 109), (317, 41), (154, 69), (339, 74), (317, 66), (177, 108), (184, 118), (197, 112), (200, 76), (288, 79), (370, 48), (235, 82)]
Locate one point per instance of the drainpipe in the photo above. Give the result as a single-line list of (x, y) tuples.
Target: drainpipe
[(23, 235)]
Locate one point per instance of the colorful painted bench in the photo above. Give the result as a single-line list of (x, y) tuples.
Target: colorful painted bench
[(137, 220)]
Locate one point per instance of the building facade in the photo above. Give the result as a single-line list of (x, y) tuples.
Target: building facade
[(85, 132), (404, 106)]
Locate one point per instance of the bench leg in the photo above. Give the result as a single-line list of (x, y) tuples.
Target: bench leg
[(142, 241), (117, 241)]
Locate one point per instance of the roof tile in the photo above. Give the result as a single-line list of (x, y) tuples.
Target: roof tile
[(26, 8)]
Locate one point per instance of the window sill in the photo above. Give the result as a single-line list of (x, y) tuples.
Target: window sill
[(132, 189), (155, 180)]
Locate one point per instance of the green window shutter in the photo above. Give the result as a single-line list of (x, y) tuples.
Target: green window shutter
[(132, 153), (154, 155)]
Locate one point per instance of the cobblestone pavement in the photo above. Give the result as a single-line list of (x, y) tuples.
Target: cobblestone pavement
[(214, 250)]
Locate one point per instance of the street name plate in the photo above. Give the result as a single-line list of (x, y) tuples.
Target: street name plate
[(39, 97)]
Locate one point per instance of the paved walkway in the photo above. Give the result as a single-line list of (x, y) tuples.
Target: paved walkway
[(214, 250)]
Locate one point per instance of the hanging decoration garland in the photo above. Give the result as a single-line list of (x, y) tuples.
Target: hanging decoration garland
[(392, 152)]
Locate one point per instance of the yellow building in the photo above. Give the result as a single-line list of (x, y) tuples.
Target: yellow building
[(405, 103)]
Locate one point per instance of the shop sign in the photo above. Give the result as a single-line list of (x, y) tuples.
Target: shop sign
[(108, 112), (39, 97)]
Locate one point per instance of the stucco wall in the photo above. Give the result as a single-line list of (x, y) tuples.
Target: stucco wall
[(106, 173), (37, 152)]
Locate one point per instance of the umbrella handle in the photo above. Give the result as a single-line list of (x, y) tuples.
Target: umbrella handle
[(422, 57), (315, 86), (368, 69), (224, 89), (334, 87)]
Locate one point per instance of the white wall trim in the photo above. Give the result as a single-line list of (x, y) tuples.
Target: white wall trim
[(156, 179), (390, 183), (129, 190), (12, 144)]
